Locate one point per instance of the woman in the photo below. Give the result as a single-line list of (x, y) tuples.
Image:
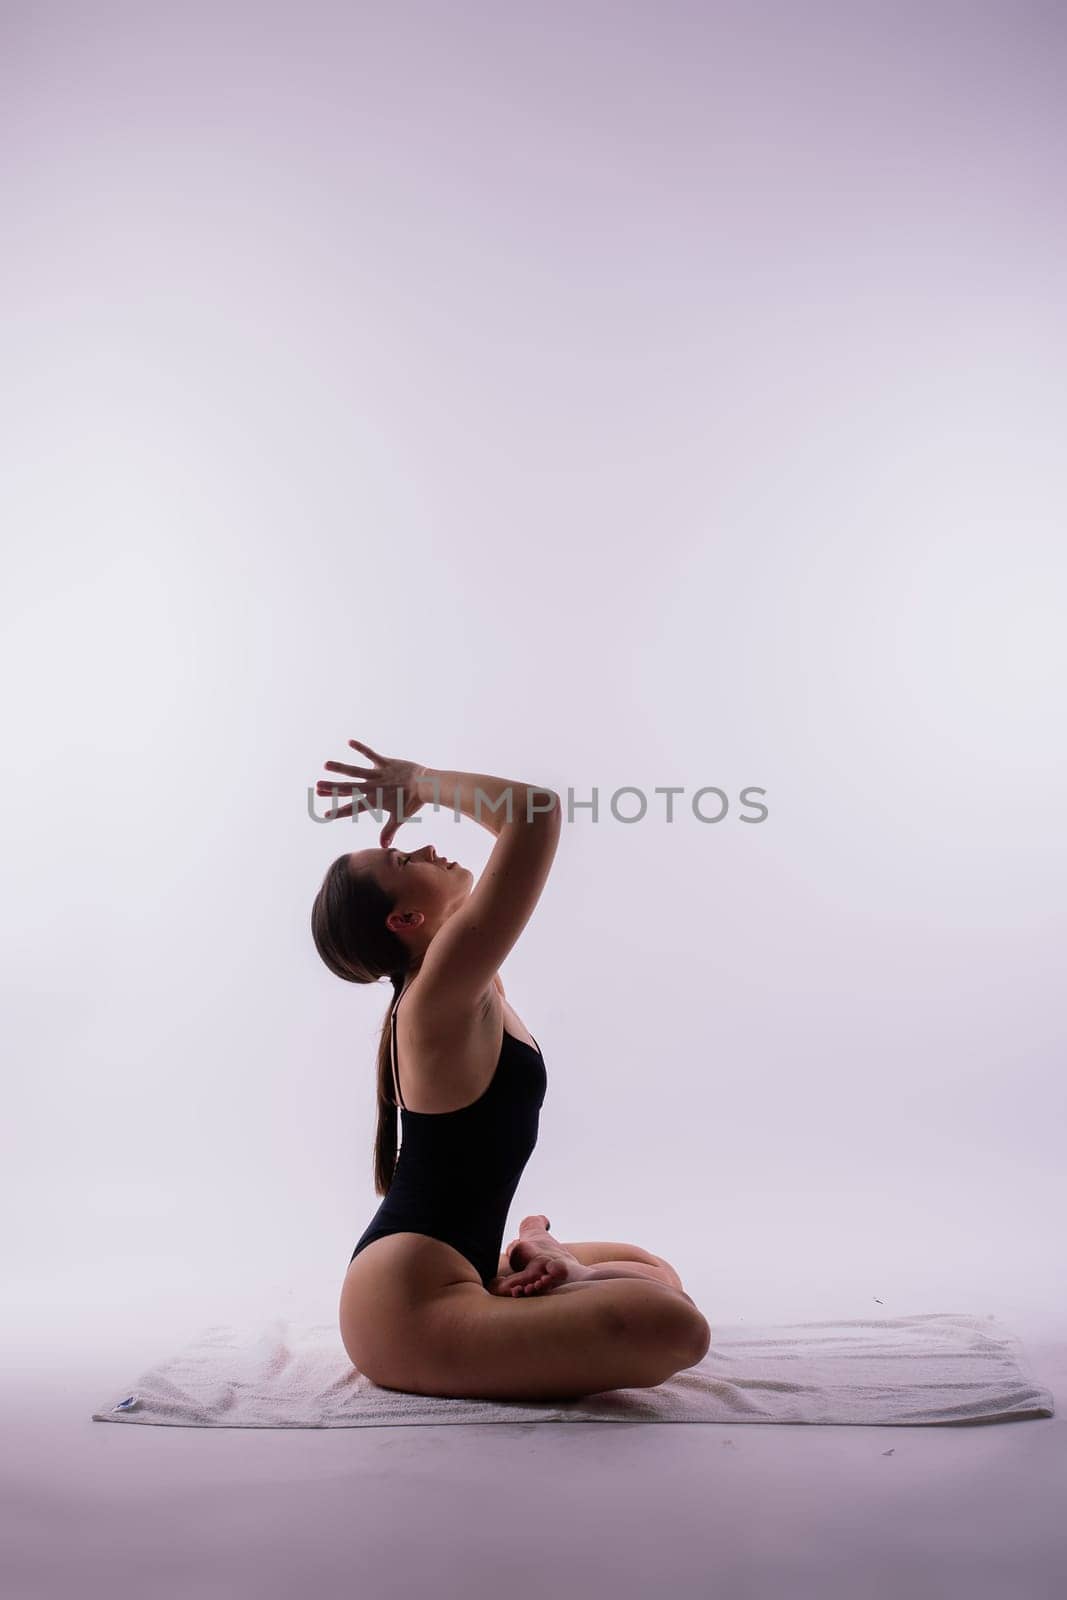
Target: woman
[(430, 1305)]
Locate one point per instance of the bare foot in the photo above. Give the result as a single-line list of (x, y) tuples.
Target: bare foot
[(540, 1261), (540, 1221)]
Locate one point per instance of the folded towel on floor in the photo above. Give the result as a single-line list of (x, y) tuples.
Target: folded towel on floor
[(925, 1370), (938, 1368)]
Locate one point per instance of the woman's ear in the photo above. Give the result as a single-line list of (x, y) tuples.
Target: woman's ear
[(404, 919)]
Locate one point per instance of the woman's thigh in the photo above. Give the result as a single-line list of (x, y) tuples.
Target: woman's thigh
[(417, 1318)]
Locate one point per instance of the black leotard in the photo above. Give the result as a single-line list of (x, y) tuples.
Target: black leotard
[(457, 1171)]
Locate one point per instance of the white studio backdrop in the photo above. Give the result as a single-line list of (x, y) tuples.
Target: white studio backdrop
[(609, 396)]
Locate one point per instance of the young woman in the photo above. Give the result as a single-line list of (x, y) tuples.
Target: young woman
[(429, 1304)]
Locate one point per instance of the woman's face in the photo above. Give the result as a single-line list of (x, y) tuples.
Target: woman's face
[(419, 880)]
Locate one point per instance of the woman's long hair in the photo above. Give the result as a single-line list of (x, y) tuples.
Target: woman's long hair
[(348, 926)]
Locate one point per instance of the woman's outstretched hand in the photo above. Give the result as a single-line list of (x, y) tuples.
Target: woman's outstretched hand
[(396, 779)]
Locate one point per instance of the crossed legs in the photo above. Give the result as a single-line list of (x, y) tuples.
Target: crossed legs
[(536, 1263)]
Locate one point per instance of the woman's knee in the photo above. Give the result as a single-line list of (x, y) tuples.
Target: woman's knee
[(670, 1329), (689, 1327), (701, 1335), (659, 1317)]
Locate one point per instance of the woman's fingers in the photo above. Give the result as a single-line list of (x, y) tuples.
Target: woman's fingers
[(353, 772), (364, 776), (367, 751)]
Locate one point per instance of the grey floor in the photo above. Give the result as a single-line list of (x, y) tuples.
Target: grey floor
[(583, 1509)]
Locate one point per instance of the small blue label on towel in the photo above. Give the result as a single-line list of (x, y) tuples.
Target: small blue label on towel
[(127, 1404)]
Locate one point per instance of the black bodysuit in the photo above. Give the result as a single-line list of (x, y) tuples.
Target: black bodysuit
[(457, 1171)]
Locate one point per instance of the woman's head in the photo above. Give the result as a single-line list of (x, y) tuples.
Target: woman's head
[(377, 910)]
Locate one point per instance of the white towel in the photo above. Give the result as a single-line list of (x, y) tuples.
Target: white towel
[(938, 1368)]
